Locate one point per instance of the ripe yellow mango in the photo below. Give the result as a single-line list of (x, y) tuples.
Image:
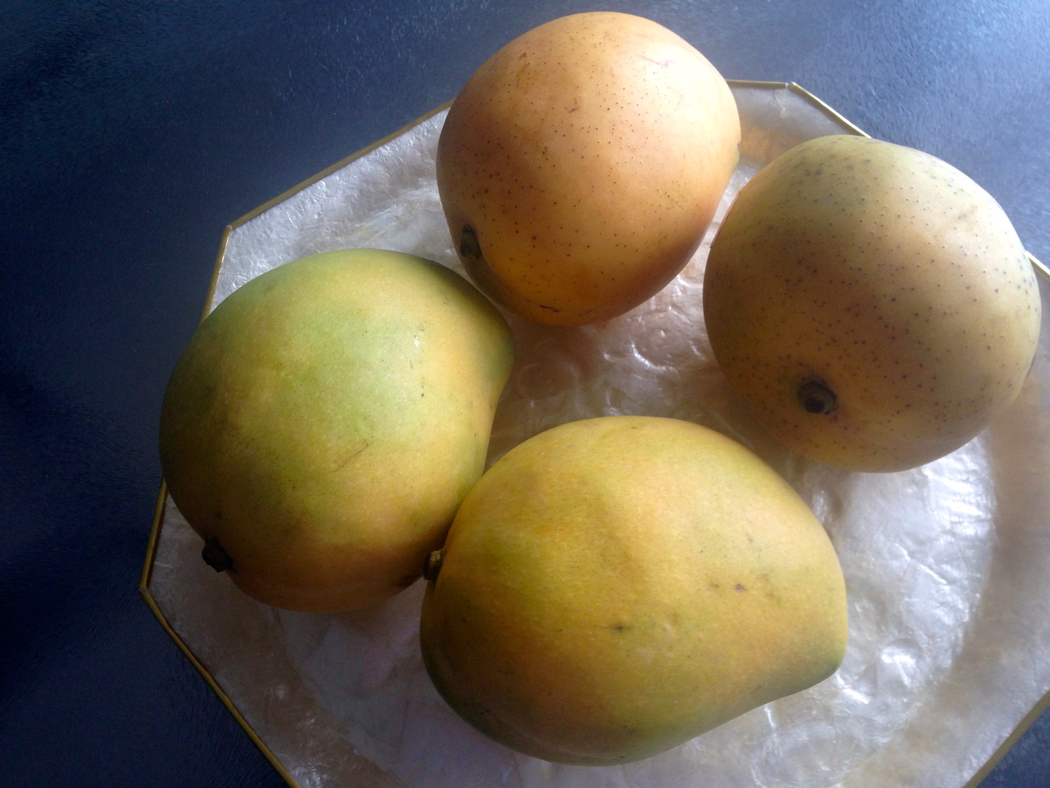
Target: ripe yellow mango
[(872, 305), (326, 420), (580, 166), (615, 586)]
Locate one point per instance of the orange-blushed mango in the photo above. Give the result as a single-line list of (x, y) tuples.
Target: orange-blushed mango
[(581, 164)]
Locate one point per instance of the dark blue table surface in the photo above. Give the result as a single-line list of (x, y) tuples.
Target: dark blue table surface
[(133, 131)]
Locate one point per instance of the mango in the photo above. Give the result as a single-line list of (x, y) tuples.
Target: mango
[(325, 421), (581, 164), (615, 586), (871, 304)]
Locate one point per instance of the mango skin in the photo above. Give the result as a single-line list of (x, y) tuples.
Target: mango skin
[(616, 586), (884, 274), (326, 420), (588, 157)]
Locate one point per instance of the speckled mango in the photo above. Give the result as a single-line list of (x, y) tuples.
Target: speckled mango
[(871, 304), (616, 586), (581, 164), (326, 420)]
